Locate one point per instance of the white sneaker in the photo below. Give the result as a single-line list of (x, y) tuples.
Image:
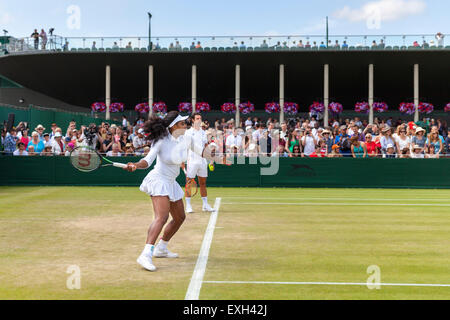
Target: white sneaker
[(161, 253), (189, 209), (207, 208), (146, 262)]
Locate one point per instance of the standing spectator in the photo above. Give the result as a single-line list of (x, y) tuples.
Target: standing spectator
[(124, 122), (11, 142), (264, 44), (234, 139), (309, 143), (440, 39), (242, 46), (35, 36), (178, 45), (25, 139), (21, 150), (94, 46), (359, 149), (36, 144), (43, 37)]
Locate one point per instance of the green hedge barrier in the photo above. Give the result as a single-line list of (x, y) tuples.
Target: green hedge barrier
[(308, 173)]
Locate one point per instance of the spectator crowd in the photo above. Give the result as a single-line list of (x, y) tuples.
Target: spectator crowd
[(300, 137)]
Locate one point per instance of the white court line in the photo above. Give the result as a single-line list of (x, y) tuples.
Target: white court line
[(193, 291), (339, 204), (351, 199), (332, 283)]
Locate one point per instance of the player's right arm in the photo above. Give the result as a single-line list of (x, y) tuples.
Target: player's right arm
[(147, 161)]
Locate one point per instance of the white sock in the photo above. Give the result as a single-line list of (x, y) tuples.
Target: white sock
[(163, 244), (205, 200), (188, 202), (148, 250)]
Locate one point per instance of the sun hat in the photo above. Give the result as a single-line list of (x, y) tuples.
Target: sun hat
[(334, 147), (326, 132), (141, 131), (416, 146), (128, 145), (252, 147), (419, 129), (248, 128), (386, 129), (389, 146), (40, 127), (58, 134)]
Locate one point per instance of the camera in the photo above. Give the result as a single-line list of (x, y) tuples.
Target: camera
[(90, 133)]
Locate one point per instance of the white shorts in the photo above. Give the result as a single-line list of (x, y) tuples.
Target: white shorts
[(197, 169)]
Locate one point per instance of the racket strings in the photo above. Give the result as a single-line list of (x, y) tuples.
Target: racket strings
[(85, 159)]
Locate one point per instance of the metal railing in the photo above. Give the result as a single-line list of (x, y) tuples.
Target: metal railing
[(232, 43)]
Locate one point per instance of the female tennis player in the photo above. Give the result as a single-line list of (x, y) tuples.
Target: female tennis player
[(170, 147)]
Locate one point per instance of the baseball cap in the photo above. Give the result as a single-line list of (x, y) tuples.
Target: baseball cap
[(141, 131)]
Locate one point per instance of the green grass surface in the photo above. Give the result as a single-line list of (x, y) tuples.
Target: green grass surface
[(269, 235)]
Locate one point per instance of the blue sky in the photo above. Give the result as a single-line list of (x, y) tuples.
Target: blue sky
[(231, 17)]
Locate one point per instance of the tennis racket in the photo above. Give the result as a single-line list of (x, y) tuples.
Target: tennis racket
[(87, 159), (191, 186)]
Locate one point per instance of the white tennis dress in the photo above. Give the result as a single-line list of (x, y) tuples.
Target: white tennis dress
[(170, 154), (197, 165)]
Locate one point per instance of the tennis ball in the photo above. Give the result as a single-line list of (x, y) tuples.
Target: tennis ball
[(211, 167)]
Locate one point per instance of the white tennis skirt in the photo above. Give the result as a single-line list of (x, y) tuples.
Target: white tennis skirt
[(156, 187)]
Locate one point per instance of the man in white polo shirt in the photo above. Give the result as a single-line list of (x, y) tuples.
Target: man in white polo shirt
[(196, 165), (139, 142)]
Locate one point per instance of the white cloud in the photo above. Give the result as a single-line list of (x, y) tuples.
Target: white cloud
[(386, 10)]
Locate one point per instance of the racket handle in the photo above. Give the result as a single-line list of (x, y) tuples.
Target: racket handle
[(120, 165)]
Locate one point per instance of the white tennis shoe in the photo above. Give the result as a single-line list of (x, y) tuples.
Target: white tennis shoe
[(164, 253), (207, 208), (189, 209), (146, 262)]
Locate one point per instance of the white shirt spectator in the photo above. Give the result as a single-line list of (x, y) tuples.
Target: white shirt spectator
[(20, 153), (56, 147), (309, 145), (402, 144), (111, 154), (256, 135), (236, 140), (137, 143)]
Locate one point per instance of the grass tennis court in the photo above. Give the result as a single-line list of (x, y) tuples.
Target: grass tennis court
[(267, 244)]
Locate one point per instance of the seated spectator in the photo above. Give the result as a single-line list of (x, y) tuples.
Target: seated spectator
[(335, 152), (10, 143), (386, 139), (296, 152), (192, 47), (308, 45), (20, 150), (344, 45), (25, 138), (316, 153), (69, 148), (436, 142), (390, 151), (280, 152), (373, 148), (447, 143), (129, 46), (374, 44), (58, 145), (264, 44), (405, 153), (242, 46), (416, 44), (322, 45), (107, 143), (146, 151), (47, 152), (323, 149), (382, 45), (115, 152), (31, 151), (177, 45), (38, 145), (402, 141), (430, 152), (129, 152), (199, 45), (139, 142), (337, 45), (419, 139), (47, 141), (300, 44), (417, 152), (314, 46), (308, 142), (359, 149), (115, 46)]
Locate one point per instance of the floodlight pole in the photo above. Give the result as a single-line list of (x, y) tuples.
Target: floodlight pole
[(327, 32)]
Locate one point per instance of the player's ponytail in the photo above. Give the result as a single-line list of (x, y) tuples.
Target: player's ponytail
[(156, 128)]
